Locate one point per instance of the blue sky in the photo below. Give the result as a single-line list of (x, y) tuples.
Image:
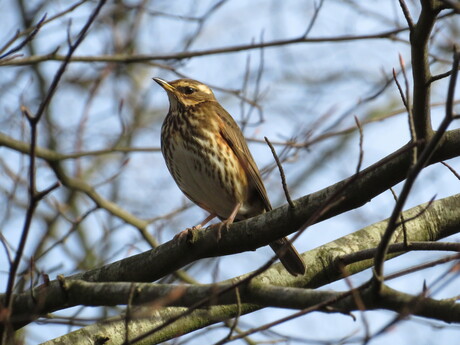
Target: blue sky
[(304, 87)]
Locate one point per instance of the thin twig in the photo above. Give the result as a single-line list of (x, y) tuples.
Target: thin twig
[(130, 58), (403, 222), (314, 17), (401, 93), (412, 175), (453, 5), (361, 142), (283, 177), (128, 315), (419, 213), (356, 295), (51, 19), (440, 76), (407, 15), (235, 322), (63, 66), (452, 84), (201, 21), (29, 38), (413, 305), (426, 265), (456, 174), (400, 247), (319, 306), (413, 132), (34, 197)]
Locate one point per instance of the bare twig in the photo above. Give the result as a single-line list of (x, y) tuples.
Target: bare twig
[(75, 224), (314, 17), (67, 59), (129, 58), (440, 76), (407, 15), (244, 87), (403, 222), (51, 19), (235, 322), (414, 304), (401, 93), (128, 316), (429, 264), (306, 144), (413, 173), (283, 176), (29, 38), (319, 306), (361, 150), (356, 295), (408, 105), (201, 21), (398, 248), (452, 4), (452, 170), (452, 84), (35, 197), (419, 213)]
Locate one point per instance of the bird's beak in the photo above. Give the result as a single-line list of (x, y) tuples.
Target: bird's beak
[(164, 84)]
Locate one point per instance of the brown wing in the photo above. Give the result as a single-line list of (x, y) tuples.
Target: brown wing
[(230, 131), (235, 139)]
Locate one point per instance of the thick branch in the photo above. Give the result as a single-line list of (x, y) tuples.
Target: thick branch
[(440, 220), (143, 320), (421, 74), (370, 182)]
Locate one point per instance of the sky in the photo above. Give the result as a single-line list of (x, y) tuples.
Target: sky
[(305, 89)]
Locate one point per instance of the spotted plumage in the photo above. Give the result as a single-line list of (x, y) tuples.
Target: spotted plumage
[(207, 155)]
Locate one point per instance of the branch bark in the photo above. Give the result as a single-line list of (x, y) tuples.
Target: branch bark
[(323, 263)]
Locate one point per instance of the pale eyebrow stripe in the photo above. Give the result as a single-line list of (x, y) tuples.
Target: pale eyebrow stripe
[(204, 89)]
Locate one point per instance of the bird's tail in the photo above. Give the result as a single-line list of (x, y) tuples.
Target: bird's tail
[(288, 256)]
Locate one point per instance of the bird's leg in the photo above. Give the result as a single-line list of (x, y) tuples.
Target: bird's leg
[(205, 221), (186, 232), (229, 220)]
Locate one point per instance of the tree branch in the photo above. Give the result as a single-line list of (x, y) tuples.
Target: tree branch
[(122, 58), (323, 262)]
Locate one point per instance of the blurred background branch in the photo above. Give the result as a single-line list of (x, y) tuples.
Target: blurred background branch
[(295, 72)]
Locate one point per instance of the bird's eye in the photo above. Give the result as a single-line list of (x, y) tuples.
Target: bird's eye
[(188, 90)]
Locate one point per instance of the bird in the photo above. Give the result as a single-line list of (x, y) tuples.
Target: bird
[(208, 157)]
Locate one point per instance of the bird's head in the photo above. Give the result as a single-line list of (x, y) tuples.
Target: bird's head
[(186, 92)]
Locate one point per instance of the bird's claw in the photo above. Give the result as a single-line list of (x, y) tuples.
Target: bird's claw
[(186, 234)]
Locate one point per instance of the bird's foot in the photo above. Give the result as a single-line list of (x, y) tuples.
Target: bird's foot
[(224, 224), (227, 221), (186, 234)]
